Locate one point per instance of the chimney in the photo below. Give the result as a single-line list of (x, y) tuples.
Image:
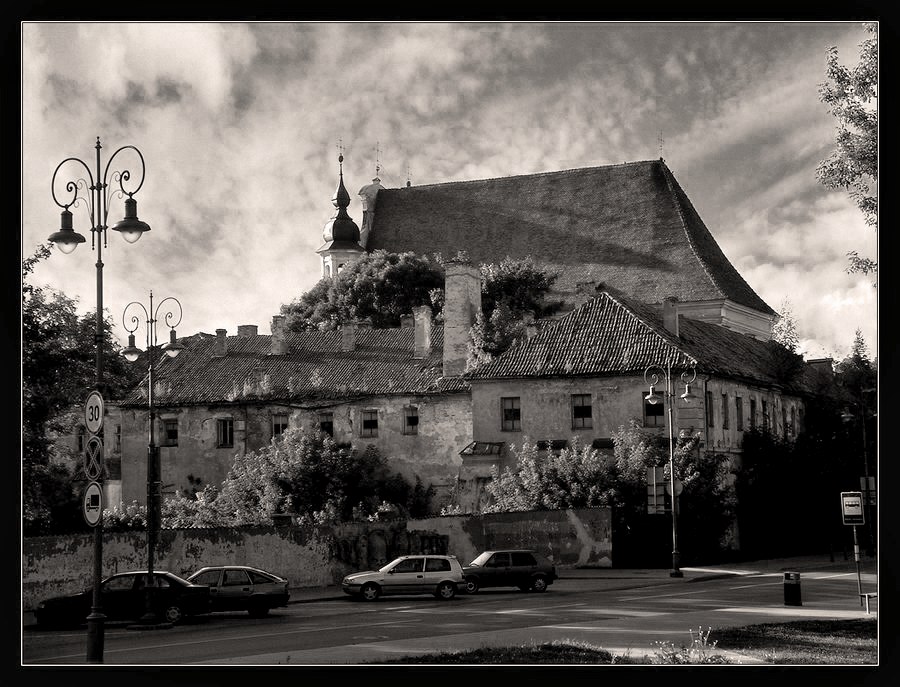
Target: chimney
[(670, 314), (348, 336), (406, 321), (422, 337), (279, 340), (247, 330), (462, 300), (823, 367), (221, 347)]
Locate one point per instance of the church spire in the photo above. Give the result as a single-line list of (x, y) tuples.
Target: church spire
[(341, 235)]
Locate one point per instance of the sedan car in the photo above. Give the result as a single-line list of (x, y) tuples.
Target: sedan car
[(416, 574), (124, 597), (242, 588), (522, 568)]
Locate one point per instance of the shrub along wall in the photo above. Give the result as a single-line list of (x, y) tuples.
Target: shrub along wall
[(316, 556)]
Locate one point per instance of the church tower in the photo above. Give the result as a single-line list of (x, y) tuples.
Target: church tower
[(341, 235)]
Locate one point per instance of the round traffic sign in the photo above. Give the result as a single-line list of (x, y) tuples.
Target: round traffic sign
[(93, 458), (93, 504), (93, 412)]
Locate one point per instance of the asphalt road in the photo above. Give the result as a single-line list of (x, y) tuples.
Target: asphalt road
[(624, 611)]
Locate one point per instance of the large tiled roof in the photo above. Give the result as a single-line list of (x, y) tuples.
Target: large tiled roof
[(612, 334), (314, 370), (629, 225)]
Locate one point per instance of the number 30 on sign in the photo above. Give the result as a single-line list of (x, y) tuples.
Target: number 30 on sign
[(93, 412)]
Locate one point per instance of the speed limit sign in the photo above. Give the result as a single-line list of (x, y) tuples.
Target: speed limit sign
[(93, 412)]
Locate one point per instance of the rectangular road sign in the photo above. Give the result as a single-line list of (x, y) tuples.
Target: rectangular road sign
[(852, 508)]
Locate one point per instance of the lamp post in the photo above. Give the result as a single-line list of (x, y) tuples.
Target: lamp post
[(131, 353), (652, 376), (95, 194)]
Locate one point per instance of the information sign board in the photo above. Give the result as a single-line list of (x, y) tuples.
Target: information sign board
[(852, 508)]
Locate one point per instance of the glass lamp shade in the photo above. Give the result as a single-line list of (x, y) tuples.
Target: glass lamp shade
[(173, 348), (688, 395), (131, 227), (653, 397), (131, 352), (66, 239)]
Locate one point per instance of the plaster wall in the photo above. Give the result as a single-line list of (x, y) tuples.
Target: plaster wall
[(317, 556)]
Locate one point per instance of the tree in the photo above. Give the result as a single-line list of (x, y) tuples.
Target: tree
[(851, 95), (379, 286), (303, 473), (784, 331), (58, 368)]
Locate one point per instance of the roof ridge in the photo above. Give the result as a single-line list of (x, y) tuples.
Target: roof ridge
[(670, 180), (571, 170)]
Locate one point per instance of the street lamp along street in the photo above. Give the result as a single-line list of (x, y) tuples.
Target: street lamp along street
[(652, 375), (132, 353), (95, 193)]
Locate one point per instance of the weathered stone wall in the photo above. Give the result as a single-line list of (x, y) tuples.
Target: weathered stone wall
[(321, 556)]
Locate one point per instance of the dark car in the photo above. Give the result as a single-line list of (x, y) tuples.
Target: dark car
[(522, 568), (243, 588), (124, 597)]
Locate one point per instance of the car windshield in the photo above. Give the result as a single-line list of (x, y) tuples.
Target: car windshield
[(388, 566)]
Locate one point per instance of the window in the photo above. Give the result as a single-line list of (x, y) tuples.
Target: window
[(522, 558), (410, 420), (654, 415), (793, 421), (482, 448), (409, 565), (512, 414), (170, 433), (739, 413), (582, 411), (765, 412), (235, 578), (224, 433), (326, 423), (555, 445), (724, 411), (437, 565), (279, 425), (369, 423), (709, 409), (498, 560), (752, 413), (784, 424), (118, 448)]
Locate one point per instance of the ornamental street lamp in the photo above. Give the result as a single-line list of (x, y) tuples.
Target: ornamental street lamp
[(131, 353), (95, 193), (652, 376)]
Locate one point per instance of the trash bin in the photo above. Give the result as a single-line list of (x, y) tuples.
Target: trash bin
[(792, 589)]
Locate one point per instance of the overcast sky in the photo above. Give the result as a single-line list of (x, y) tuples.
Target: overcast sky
[(239, 125)]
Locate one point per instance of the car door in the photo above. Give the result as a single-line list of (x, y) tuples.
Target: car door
[(496, 570), (123, 597), (235, 589), (522, 567), (213, 580), (407, 577), (436, 569)]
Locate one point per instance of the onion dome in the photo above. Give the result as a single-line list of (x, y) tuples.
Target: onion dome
[(341, 231)]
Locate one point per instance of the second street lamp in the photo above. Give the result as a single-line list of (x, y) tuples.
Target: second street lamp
[(652, 375), (172, 318), (95, 193)]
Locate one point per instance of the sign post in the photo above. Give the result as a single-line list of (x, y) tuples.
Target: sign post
[(853, 514)]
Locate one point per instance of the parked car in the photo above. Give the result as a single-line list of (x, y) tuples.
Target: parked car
[(522, 568), (417, 574), (124, 597), (242, 588)]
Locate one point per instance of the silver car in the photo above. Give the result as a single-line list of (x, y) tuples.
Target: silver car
[(415, 574)]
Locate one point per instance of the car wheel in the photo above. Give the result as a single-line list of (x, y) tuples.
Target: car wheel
[(445, 591), (471, 585), (173, 614), (539, 584), (258, 611), (370, 591)]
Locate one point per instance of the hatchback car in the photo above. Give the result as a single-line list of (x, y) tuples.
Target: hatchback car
[(124, 597), (522, 568), (242, 588), (416, 574)]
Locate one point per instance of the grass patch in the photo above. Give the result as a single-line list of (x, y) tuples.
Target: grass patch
[(839, 642), (803, 642)]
